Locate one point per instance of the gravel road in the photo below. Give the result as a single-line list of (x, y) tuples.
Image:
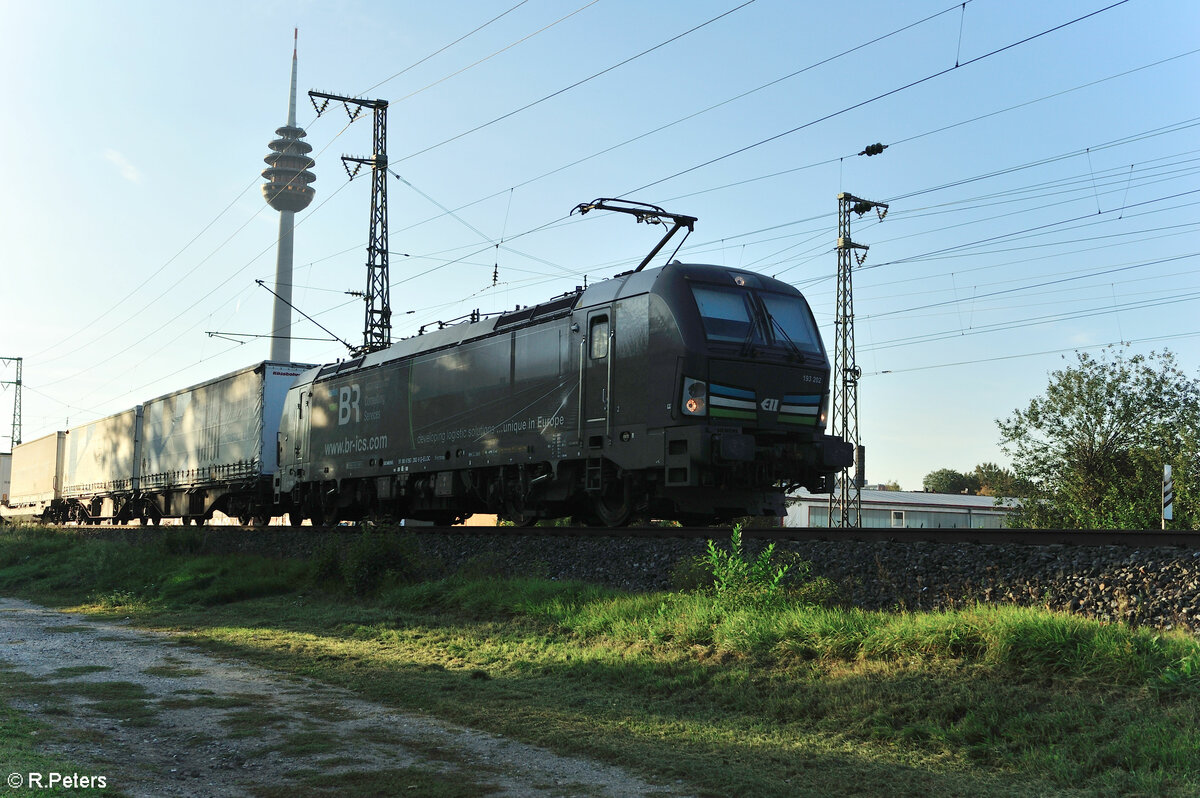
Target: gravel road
[(155, 718)]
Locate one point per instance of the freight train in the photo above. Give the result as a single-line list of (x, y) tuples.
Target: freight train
[(689, 392)]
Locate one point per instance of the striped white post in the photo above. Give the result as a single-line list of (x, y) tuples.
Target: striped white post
[(1168, 497)]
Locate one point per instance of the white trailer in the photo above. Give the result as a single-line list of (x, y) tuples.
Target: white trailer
[(5, 476), (213, 446), (36, 482), (100, 462)]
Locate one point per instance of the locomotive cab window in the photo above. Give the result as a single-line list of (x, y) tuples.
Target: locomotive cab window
[(746, 316), (791, 319), (727, 314), (599, 335)]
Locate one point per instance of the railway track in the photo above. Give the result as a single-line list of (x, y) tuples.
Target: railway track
[(1027, 537)]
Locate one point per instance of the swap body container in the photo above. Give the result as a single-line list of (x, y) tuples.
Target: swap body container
[(5, 476), (217, 432), (102, 457), (37, 468)]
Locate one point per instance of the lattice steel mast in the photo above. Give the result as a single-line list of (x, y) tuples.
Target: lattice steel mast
[(15, 440), (377, 326), (845, 502)]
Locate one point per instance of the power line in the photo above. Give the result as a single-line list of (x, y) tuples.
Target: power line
[(578, 83), (978, 361), (702, 111), (465, 36), (877, 97)]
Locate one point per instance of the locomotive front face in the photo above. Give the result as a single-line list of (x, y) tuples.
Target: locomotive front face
[(752, 387)]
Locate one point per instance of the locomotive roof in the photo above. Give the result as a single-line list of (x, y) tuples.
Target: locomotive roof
[(604, 292)]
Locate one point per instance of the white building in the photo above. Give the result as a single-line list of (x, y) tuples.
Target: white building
[(905, 510)]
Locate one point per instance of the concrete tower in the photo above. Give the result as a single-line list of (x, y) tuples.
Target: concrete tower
[(287, 190)]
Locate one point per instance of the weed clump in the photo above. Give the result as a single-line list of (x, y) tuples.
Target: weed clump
[(765, 582), (374, 559)]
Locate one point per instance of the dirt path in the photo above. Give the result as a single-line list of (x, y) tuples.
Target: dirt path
[(158, 719)]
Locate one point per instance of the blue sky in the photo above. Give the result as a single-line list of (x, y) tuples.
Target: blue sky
[(1043, 197)]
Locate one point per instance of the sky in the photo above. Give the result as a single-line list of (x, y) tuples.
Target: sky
[(1042, 178)]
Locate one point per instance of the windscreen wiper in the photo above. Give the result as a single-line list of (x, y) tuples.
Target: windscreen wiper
[(775, 323)]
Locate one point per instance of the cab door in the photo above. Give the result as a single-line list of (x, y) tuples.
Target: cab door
[(300, 428), (597, 381)]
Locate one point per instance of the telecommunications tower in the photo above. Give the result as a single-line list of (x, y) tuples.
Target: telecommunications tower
[(287, 190)]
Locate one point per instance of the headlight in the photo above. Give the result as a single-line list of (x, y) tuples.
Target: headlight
[(824, 411), (695, 397)]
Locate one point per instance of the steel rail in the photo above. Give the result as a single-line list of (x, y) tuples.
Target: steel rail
[(1150, 538)]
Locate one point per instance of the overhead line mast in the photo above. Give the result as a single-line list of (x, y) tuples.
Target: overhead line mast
[(377, 326), (15, 440), (845, 502)]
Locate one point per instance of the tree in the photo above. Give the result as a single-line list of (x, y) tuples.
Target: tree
[(947, 480), (995, 480), (1090, 451)]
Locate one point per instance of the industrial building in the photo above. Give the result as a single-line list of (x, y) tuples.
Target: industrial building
[(882, 509)]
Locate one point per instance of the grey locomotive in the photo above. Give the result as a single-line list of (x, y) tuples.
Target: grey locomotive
[(686, 392)]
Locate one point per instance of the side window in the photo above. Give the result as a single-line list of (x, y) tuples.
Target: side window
[(599, 337), (897, 519)]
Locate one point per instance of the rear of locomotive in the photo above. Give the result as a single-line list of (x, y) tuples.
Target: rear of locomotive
[(743, 383)]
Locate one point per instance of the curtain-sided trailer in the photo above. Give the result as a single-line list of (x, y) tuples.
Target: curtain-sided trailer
[(187, 454), (36, 481), (212, 447)]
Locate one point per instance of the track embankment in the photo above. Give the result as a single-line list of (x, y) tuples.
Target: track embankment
[(1112, 576)]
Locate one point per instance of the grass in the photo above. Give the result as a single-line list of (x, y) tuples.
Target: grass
[(23, 736), (730, 697)]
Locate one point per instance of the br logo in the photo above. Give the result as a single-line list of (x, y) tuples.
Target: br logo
[(348, 396), (770, 405)]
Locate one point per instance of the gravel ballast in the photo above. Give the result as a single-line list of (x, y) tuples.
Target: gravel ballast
[(1152, 586)]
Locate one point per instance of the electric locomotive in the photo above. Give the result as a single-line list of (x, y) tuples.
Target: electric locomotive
[(688, 391)]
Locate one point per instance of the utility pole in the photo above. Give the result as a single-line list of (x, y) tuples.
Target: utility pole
[(377, 326), (845, 503), (15, 440)]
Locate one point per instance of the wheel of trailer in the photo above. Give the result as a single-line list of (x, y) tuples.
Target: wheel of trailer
[(187, 520), (245, 519)]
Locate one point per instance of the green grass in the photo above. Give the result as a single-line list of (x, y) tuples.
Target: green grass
[(729, 697), (24, 735)]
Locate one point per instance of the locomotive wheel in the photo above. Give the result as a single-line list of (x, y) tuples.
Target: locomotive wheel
[(614, 505), (516, 514), (295, 519), (520, 519), (261, 519)]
